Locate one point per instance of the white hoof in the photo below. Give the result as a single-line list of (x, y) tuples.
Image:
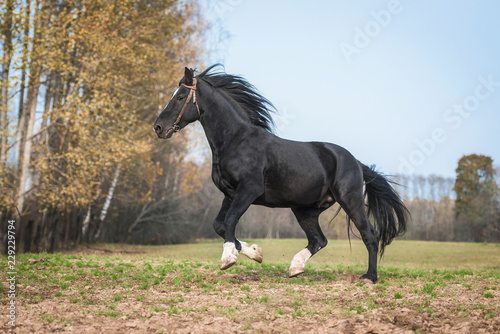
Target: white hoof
[(227, 262), (253, 252), (296, 271), (299, 262), (229, 255)]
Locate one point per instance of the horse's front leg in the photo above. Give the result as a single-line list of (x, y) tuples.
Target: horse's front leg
[(219, 221), (244, 197), (233, 249), (253, 252)]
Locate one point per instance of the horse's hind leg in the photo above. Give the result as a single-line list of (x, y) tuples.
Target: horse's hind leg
[(308, 220), (353, 203)]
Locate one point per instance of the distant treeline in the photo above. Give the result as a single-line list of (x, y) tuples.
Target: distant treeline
[(466, 208), (183, 214)]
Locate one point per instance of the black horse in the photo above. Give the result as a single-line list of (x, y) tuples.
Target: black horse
[(251, 165)]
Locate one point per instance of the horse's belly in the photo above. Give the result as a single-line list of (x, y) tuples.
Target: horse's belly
[(293, 188)]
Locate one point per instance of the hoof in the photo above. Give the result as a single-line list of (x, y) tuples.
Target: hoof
[(370, 278), (253, 252), (259, 256), (295, 271), (227, 262)]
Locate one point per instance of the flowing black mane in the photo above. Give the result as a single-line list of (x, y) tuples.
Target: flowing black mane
[(257, 108)]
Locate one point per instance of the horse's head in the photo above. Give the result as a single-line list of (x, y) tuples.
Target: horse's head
[(182, 108)]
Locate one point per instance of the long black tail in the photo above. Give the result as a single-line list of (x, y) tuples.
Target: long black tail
[(385, 207)]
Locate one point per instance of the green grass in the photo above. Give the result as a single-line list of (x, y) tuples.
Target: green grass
[(488, 295), (445, 263), (462, 257), (413, 275), (117, 297), (48, 318), (429, 288), (264, 299)]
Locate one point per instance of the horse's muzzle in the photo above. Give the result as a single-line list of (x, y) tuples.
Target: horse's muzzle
[(163, 134)]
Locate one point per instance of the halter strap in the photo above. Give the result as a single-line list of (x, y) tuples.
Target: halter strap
[(192, 93)]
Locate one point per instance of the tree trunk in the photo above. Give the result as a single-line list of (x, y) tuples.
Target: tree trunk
[(27, 235), (67, 229), (56, 233), (105, 208), (30, 110), (21, 120), (79, 233), (86, 220), (35, 235), (27, 142), (3, 235), (44, 229), (4, 95), (89, 216), (45, 120)]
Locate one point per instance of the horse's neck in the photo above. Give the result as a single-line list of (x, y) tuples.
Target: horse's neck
[(221, 123)]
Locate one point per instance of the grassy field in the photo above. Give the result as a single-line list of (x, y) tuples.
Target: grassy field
[(401, 254), (423, 287)]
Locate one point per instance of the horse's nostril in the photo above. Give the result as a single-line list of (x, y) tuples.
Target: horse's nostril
[(158, 129)]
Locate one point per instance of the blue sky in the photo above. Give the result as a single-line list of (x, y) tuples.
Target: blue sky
[(409, 86)]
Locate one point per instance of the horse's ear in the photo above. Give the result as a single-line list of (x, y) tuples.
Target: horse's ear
[(188, 75)]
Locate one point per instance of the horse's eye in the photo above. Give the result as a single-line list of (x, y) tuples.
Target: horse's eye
[(180, 97)]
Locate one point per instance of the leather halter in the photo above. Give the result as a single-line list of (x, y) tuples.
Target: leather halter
[(192, 93)]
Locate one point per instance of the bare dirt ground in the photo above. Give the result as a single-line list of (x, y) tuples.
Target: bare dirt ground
[(82, 294)]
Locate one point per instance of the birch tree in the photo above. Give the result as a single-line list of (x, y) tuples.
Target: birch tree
[(98, 72), (7, 29)]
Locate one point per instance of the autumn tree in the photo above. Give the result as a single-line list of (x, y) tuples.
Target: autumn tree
[(93, 77), (476, 205), (8, 30), (8, 35)]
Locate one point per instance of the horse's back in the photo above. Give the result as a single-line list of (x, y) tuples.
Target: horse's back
[(318, 158), (301, 173)]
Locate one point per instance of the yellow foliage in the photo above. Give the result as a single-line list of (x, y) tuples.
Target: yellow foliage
[(193, 178), (108, 66)]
